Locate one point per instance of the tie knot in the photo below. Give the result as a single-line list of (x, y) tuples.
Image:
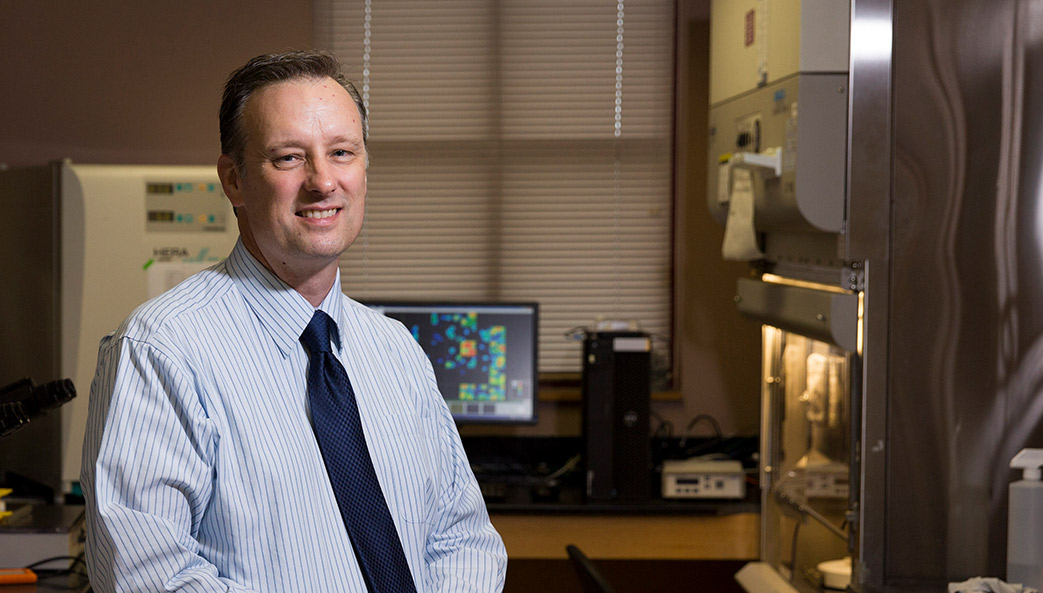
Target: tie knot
[(316, 337)]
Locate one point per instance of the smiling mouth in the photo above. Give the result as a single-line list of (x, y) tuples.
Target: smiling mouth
[(318, 213)]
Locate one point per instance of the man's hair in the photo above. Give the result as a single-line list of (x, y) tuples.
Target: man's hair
[(270, 69)]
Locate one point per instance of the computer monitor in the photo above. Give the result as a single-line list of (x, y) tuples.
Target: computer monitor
[(484, 355)]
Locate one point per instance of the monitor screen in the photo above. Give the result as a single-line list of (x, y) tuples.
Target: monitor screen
[(483, 354)]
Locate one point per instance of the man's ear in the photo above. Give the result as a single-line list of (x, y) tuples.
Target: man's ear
[(228, 173)]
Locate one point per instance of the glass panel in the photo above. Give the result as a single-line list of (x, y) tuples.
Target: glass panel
[(807, 398)]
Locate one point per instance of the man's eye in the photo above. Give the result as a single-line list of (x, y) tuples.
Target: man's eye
[(341, 153), (285, 160)]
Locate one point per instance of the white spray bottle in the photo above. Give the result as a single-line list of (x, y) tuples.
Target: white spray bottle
[(1025, 522)]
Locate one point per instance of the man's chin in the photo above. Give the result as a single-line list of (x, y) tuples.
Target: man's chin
[(318, 256)]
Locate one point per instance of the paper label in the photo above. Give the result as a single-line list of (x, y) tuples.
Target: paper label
[(740, 236)]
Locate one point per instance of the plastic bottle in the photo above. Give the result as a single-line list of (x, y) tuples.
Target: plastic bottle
[(1025, 522)]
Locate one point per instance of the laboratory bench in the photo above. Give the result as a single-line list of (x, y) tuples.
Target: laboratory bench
[(654, 545), (44, 537), (635, 552), (49, 584)]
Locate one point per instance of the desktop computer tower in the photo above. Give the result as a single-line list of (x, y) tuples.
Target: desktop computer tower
[(617, 378)]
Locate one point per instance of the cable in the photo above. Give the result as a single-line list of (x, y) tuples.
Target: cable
[(699, 418), (59, 572), (564, 469), (793, 549), (73, 560), (664, 428), (576, 334)]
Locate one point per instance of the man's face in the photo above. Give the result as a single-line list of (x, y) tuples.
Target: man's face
[(301, 190)]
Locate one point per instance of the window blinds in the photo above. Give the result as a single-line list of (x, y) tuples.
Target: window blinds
[(519, 150)]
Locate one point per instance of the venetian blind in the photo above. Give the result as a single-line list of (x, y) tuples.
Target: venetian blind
[(519, 150)]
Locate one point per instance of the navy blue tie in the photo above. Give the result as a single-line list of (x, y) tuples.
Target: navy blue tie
[(335, 418)]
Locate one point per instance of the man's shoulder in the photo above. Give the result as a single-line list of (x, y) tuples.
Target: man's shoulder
[(200, 296)]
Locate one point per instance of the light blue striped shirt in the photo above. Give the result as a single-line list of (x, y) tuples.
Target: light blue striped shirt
[(201, 471)]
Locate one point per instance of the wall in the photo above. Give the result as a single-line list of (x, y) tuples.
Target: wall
[(125, 81), (719, 351)]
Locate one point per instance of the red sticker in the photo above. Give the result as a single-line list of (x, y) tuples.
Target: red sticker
[(750, 20)]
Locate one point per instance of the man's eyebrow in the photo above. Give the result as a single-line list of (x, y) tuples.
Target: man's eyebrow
[(349, 140), (335, 141), (281, 145)]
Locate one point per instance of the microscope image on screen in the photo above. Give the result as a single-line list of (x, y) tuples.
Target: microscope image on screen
[(484, 355), (474, 354)]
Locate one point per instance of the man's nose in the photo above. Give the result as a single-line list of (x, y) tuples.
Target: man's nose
[(320, 177)]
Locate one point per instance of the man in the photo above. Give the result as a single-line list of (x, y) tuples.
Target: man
[(205, 468)]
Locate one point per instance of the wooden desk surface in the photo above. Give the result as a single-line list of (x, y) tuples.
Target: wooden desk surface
[(664, 537)]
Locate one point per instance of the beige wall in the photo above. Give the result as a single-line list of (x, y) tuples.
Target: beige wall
[(126, 81), (719, 351)]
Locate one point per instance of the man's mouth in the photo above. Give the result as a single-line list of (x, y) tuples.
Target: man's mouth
[(318, 213)]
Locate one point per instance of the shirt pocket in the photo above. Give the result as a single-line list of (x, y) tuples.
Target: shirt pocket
[(407, 464)]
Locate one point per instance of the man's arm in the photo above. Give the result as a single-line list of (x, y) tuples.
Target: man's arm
[(147, 474), (464, 551)]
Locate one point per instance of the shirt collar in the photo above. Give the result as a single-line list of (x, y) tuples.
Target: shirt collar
[(331, 306), (281, 310)]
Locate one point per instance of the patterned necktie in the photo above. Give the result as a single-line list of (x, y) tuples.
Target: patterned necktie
[(335, 418)]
